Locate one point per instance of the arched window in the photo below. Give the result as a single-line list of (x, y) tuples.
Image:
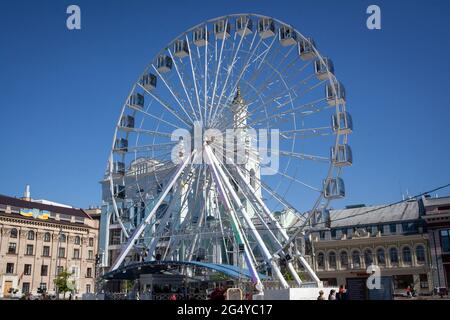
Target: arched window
[(252, 178), (13, 233), (406, 254), (321, 261), (332, 260), (381, 258), (344, 260), (30, 235), (393, 255), (77, 240), (368, 257), (62, 237), (47, 237), (356, 259), (420, 254)]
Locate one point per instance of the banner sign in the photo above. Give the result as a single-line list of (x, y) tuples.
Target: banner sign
[(35, 213)]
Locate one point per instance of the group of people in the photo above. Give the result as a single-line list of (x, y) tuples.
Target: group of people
[(333, 295)]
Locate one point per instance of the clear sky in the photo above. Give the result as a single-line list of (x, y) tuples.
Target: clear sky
[(61, 91)]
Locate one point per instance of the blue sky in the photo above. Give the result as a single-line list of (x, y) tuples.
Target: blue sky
[(61, 91)]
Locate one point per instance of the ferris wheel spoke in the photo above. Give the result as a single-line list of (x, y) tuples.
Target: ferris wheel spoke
[(275, 71), (218, 68), (304, 132), (259, 183), (175, 96), (194, 80), (144, 131), (165, 105), (282, 94), (245, 66), (230, 67), (184, 86), (315, 107)]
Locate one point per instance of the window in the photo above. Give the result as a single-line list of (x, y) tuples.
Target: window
[(44, 270), (393, 228), (61, 252), (27, 269), (333, 233), (46, 251), (356, 259), (25, 287), (445, 240), (114, 236), (332, 260), (89, 273), (43, 286), (368, 257), (423, 281), (410, 227), (322, 235), (76, 253), (90, 255), (344, 260), (30, 249), (62, 237), (393, 255), (75, 272), (59, 270), (320, 260), (13, 233), (91, 242), (47, 237), (403, 281), (30, 235), (406, 254), (380, 228), (12, 248), (420, 254), (381, 258), (10, 268), (77, 240), (88, 288)]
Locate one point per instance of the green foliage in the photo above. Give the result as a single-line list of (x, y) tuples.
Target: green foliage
[(288, 276), (63, 282), (127, 285), (219, 277)]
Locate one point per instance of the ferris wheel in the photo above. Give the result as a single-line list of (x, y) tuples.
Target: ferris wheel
[(179, 194)]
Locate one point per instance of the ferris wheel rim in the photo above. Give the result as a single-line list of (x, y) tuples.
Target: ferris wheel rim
[(331, 78)]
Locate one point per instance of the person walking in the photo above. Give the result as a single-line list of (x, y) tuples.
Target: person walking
[(332, 295), (341, 293)]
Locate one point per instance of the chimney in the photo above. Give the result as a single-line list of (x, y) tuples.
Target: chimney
[(26, 194)]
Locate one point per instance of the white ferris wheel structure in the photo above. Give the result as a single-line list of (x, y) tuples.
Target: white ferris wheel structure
[(180, 200)]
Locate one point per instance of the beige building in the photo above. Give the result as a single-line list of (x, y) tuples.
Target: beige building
[(394, 238), (40, 239)]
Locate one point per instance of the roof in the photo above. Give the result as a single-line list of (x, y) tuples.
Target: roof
[(134, 270), (404, 211), (15, 202), (428, 202)]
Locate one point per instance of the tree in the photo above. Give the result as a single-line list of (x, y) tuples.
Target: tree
[(63, 282), (127, 285)]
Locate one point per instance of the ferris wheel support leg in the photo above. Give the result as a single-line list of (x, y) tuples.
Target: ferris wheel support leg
[(283, 232), (165, 219), (235, 225), (138, 231), (268, 257)]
